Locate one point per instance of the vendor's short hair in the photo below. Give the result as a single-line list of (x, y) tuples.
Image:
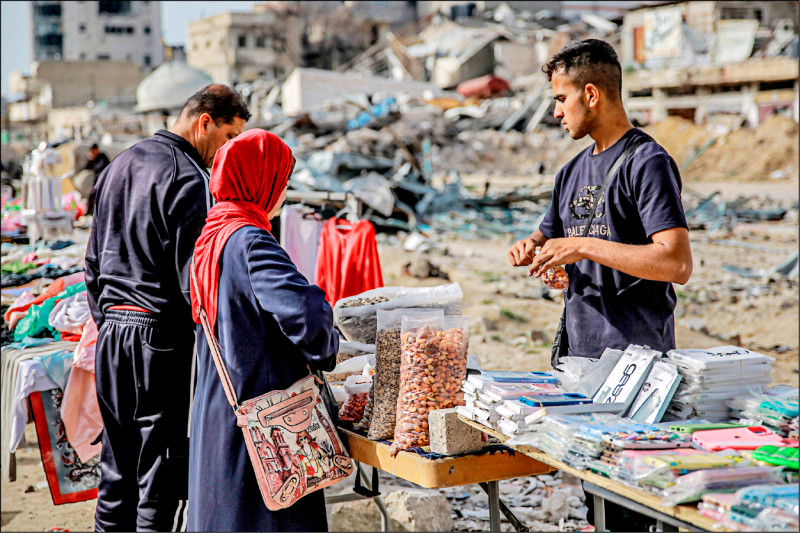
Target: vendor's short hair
[(94, 147), (590, 61), (219, 101)]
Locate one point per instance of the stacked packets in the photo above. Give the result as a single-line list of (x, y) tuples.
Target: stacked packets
[(578, 440), (492, 397), (767, 507), (774, 407), (714, 376)]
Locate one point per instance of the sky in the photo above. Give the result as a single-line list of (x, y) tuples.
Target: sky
[(15, 37)]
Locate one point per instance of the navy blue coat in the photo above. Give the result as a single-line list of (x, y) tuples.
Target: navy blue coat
[(270, 323)]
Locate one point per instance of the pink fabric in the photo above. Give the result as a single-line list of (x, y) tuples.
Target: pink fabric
[(81, 413), (84, 352)]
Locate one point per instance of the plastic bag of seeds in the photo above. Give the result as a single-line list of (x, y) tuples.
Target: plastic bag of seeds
[(357, 389), (433, 365), (356, 318), (364, 424), (387, 367)]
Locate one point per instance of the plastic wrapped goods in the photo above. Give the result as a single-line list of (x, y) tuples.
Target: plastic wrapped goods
[(387, 364), (357, 389), (364, 424), (432, 368), (356, 316)]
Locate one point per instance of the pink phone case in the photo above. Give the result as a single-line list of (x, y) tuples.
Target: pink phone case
[(748, 438)]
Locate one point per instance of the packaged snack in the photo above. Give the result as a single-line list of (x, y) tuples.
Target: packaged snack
[(364, 423), (356, 316), (357, 389), (556, 278), (433, 366), (387, 363)]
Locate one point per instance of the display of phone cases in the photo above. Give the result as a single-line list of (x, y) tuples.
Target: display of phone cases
[(550, 400), (692, 486), (777, 455), (656, 393), (627, 377), (504, 376), (721, 356), (769, 495), (748, 438)]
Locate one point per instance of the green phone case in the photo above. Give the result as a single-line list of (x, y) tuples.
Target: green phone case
[(691, 428), (778, 455)]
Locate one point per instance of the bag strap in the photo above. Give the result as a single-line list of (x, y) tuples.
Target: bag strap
[(227, 385), (611, 173)]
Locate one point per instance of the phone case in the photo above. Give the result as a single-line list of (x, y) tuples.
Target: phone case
[(691, 428), (548, 400), (505, 391), (778, 455), (748, 438), (505, 376), (683, 464), (647, 444)]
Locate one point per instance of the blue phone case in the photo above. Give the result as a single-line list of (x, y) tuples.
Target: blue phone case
[(544, 400)]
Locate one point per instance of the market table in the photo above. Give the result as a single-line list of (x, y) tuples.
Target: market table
[(602, 488), (485, 469)]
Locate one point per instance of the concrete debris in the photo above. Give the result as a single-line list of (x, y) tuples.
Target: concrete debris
[(408, 509), (421, 268)]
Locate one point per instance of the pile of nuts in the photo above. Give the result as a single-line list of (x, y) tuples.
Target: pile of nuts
[(556, 278), (353, 408), (433, 366)]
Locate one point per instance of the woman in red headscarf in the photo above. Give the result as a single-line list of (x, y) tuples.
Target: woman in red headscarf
[(270, 324)]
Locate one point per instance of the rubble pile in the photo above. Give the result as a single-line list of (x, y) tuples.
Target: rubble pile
[(769, 151)]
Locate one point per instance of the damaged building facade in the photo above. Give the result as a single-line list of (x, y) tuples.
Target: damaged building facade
[(693, 59)]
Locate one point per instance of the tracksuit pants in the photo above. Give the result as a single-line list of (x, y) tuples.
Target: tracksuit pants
[(143, 370)]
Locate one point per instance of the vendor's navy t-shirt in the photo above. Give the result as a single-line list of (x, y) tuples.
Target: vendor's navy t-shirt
[(606, 308)]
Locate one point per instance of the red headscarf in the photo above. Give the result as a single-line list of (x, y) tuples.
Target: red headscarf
[(247, 180)]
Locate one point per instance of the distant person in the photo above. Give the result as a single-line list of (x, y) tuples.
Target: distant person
[(621, 274), (152, 202), (96, 161)]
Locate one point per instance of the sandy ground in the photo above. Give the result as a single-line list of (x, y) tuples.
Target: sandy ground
[(505, 307)]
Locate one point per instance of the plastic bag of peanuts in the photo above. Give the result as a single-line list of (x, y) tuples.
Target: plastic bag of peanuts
[(432, 367), (357, 389), (387, 367)]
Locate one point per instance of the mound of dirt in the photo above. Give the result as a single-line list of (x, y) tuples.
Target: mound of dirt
[(751, 154), (681, 138)]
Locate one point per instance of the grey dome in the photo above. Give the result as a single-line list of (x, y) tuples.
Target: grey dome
[(169, 86)]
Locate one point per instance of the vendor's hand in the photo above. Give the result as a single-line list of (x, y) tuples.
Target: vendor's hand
[(521, 254), (555, 252)]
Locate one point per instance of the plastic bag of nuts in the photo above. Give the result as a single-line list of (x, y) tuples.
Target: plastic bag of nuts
[(432, 368), (364, 424), (388, 350), (357, 389), (556, 278)]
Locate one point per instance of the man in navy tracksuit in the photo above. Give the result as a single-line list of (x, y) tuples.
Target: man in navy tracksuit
[(151, 204)]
